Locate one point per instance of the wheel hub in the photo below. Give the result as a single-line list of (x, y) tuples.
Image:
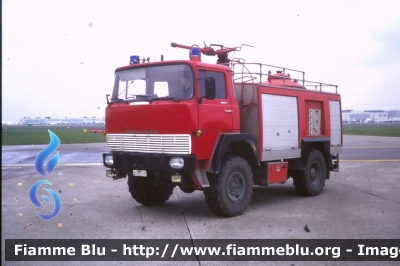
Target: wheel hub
[(235, 187), (314, 172)]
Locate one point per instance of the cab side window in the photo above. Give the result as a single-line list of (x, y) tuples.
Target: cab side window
[(220, 92)]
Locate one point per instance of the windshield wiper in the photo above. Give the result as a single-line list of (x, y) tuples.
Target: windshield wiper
[(140, 97), (166, 98), (117, 101), (147, 98)]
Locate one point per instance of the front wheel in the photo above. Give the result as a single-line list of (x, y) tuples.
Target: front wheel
[(230, 191), (311, 182), (145, 192)]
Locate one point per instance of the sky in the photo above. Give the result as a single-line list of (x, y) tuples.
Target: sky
[(59, 57)]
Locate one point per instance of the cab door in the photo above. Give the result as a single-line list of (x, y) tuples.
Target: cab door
[(215, 116)]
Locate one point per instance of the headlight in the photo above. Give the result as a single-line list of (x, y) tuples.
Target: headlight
[(109, 160), (176, 162)]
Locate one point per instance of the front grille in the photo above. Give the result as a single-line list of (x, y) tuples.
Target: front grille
[(150, 143)]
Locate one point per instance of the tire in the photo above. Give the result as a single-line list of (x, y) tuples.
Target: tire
[(188, 189), (145, 192), (311, 182), (230, 191)]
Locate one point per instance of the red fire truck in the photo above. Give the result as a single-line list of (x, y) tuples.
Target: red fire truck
[(220, 128)]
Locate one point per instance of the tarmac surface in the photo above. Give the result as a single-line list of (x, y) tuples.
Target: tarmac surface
[(361, 201)]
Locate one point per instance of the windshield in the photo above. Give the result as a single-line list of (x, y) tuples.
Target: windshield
[(154, 82)]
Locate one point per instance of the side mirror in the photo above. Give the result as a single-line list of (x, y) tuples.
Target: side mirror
[(210, 88)]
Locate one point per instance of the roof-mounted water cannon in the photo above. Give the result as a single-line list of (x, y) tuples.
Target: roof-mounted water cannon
[(222, 52)]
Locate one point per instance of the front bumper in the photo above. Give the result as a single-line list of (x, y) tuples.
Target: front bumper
[(149, 161)]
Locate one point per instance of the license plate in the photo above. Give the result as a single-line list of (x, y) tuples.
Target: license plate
[(139, 173)]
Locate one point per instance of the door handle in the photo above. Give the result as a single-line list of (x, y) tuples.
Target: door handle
[(228, 111)]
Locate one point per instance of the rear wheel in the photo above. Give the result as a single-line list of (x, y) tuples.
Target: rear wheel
[(230, 191), (311, 182), (145, 192)]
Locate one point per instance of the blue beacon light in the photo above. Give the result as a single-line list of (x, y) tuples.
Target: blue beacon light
[(135, 59), (195, 53)]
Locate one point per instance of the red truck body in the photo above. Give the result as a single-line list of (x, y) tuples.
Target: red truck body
[(231, 130)]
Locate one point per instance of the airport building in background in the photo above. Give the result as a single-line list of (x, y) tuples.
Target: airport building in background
[(348, 116), (61, 121), (370, 116)]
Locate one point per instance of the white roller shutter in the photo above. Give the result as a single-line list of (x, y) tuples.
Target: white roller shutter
[(280, 122), (336, 125)]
